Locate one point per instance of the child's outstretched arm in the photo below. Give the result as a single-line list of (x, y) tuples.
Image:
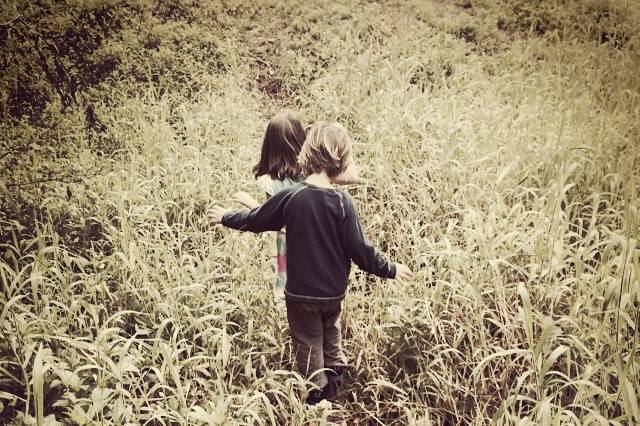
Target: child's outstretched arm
[(266, 184), (268, 217), (349, 176), (362, 251)]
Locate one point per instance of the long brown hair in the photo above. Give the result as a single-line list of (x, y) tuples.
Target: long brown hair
[(281, 146)]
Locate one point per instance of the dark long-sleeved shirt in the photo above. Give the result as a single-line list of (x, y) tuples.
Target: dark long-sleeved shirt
[(323, 236)]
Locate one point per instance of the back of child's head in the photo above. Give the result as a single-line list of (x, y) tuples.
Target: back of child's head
[(281, 146), (326, 149)]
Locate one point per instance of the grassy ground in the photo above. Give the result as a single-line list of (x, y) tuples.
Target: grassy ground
[(499, 142)]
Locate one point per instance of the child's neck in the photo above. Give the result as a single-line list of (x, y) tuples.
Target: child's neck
[(319, 179)]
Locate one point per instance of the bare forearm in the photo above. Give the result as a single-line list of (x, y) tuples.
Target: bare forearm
[(246, 200), (349, 176), (252, 204)]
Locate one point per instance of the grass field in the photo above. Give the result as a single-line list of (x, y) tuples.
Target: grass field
[(500, 148)]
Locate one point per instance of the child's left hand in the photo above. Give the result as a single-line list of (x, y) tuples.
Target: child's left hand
[(215, 214), (349, 176)]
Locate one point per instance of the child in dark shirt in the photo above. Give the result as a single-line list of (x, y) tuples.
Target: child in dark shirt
[(278, 169), (324, 236)]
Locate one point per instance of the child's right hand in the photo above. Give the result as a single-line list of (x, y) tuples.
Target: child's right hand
[(403, 272), (215, 214)]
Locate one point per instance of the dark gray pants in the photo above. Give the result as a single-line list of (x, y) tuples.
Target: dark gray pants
[(316, 339)]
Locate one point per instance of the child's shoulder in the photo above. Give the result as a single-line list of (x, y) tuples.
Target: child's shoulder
[(347, 201), (272, 186)]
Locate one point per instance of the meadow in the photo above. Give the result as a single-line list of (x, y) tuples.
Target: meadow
[(499, 142)]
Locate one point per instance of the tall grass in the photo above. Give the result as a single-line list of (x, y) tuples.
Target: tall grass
[(503, 168)]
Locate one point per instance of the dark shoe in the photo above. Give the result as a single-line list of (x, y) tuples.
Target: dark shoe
[(336, 374), (315, 396), (330, 391), (335, 377)]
